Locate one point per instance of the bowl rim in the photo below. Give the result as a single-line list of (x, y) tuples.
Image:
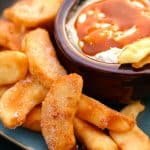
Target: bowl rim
[(77, 57)]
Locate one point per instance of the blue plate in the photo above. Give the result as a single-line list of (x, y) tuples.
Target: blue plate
[(30, 140), (24, 138)]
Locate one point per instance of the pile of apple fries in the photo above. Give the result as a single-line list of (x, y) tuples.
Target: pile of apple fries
[(37, 93)]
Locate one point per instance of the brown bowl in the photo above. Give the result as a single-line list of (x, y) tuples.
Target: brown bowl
[(107, 82)]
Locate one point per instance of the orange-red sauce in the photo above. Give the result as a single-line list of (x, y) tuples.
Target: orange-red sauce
[(102, 25)]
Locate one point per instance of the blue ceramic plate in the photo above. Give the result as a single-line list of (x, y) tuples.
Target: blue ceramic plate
[(31, 140), (24, 138), (34, 141)]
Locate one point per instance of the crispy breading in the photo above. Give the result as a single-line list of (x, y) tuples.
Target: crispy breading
[(3, 89), (13, 66), (58, 111), (33, 13), (92, 137), (43, 62), (19, 100), (33, 119), (102, 116), (11, 35), (134, 139)]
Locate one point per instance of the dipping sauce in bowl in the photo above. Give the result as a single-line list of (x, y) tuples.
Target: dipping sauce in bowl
[(104, 27), (92, 34)]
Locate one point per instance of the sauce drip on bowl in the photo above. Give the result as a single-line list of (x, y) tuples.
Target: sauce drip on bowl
[(112, 23)]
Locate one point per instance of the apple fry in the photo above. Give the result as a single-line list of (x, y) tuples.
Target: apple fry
[(11, 35), (19, 100), (133, 110), (33, 13), (43, 62), (13, 66), (3, 89), (102, 116), (92, 137), (58, 111), (135, 52), (33, 119), (134, 139), (142, 63)]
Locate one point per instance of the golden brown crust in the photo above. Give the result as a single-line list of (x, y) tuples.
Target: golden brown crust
[(33, 119), (92, 137), (43, 62), (102, 116), (19, 100), (33, 13), (58, 110), (11, 35), (13, 67), (135, 139), (3, 89)]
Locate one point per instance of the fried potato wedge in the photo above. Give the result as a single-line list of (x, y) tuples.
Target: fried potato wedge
[(102, 116), (43, 62), (13, 66), (11, 35), (58, 111), (135, 52), (19, 100), (134, 139), (33, 119), (3, 89), (142, 63), (92, 137), (33, 13)]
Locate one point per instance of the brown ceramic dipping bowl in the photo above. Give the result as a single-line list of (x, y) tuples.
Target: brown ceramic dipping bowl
[(108, 82)]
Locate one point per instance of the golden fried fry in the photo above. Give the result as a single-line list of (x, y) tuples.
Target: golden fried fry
[(134, 139), (133, 110), (135, 52), (43, 62), (91, 137), (13, 66), (58, 111), (11, 35), (33, 119), (102, 116), (33, 13), (142, 63), (3, 89), (139, 3), (19, 100)]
